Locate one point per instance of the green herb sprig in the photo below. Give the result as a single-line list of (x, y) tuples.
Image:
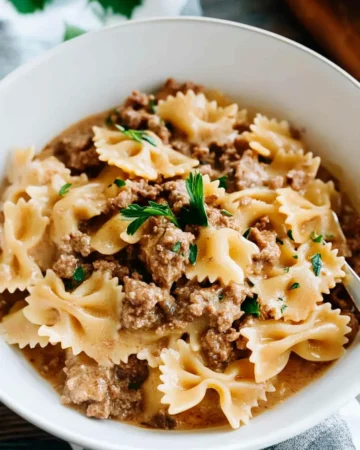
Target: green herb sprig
[(196, 213), (142, 213), (251, 306), (316, 262), (315, 238), (193, 252), (65, 189), (79, 274), (222, 181), (136, 135)]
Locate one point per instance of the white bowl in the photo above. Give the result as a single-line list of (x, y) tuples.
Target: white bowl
[(96, 71)]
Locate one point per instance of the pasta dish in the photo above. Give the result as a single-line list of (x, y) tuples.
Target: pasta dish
[(175, 262)]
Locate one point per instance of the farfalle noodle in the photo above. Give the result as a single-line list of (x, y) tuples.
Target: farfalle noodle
[(185, 380), (24, 228), (320, 337), (203, 121), (85, 320), (223, 255), (141, 159)]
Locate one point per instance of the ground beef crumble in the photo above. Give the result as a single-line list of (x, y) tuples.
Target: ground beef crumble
[(218, 347), (104, 392), (165, 264)]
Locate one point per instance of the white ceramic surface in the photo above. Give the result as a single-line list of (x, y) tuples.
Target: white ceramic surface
[(97, 71)]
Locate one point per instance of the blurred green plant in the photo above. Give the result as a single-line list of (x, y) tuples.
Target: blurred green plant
[(72, 31), (123, 7)]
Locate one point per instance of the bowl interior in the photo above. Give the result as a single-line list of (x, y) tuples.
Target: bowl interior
[(269, 74)]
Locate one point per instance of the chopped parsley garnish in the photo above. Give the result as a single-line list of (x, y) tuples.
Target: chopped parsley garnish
[(142, 213), (152, 104), (290, 235), (295, 256), (222, 181), (79, 274), (133, 386), (221, 296), (315, 238), (251, 306), (65, 189), (246, 234), (294, 286), (279, 241), (196, 213), (286, 269), (176, 247), (280, 299), (193, 253), (282, 309), (316, 262), (136, 135), (264, 159), (119, 183), (226, 213)]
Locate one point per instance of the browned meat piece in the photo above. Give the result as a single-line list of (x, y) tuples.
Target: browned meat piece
[(65, 265), (218, 347), (178, 196), (78, 152), (269, 250), (163, 421), (171, 87), (132, 192), (354, 325), (100, 390), (249, 172), (143, 304), (276, 182), (181, 144), (218, 219), (137, 100), (67, 254), (134, 371), (111, 265), (298, 179), (164, 261), (80, 243)]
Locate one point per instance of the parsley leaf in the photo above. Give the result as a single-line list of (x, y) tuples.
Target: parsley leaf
[(142, 213), (123, 7), (136, 135), (79, 274), (294, 286), (193, 253), (64, 189), (279, 241), (29, 6), (315, 238), (251, 306), (176, 248), (282, 309), (119, 183), (152, 105), (221, 296), (226, 213), (72, 31), (286, 269), (251, 284), (196, 213), (222, 181), (290, 235), (316, 262), (246, 234), (295, 256)]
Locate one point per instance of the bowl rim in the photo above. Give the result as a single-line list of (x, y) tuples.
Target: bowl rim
[(335, 402)]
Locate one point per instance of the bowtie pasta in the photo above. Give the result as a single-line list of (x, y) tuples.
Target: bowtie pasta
[(176, 263)]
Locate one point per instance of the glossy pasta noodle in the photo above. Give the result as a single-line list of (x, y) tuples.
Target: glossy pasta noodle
[(169, 249)]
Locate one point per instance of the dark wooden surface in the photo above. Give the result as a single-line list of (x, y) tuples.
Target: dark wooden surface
[(273, 15)]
